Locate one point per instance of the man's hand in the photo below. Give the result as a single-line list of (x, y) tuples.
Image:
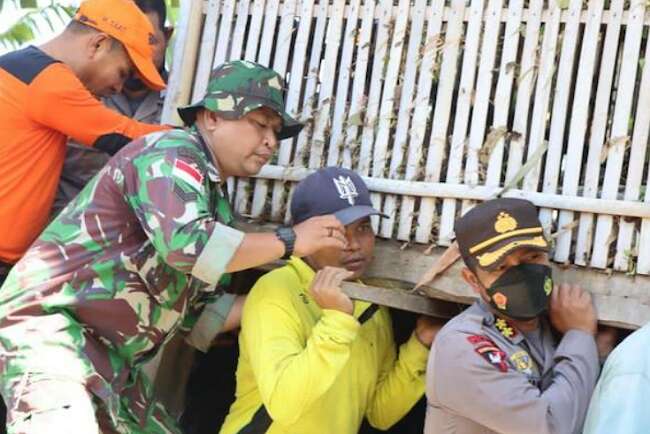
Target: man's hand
[(317, 233), (426, 329), (572, 308), (326, 289)]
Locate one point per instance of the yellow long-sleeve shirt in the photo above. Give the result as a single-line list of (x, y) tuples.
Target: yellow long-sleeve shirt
[(304, 370)]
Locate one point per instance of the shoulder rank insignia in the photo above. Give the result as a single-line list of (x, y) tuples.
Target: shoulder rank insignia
[(506, 329), (489, 351)]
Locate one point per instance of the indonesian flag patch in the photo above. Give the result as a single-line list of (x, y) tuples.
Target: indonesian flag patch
[(189, 173)]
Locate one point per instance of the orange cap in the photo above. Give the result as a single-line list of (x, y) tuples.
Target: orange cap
[(124, 21)]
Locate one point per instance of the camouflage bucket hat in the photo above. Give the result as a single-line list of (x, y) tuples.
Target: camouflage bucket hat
[(239, 87)]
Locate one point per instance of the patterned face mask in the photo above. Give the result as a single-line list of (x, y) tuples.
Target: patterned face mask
[(523, 291)]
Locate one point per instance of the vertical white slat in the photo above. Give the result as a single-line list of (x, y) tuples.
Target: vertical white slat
[(420, 114), (225, 30), (386, 110), (484, 85), (283, 43), (441, 115), (622, 110), (405, 110), (560, 106), (358, 99), (643, 261), (578, 125), (461, 120), (373, 120), (240, 29), (376, 79), (268, 35), (344, 74), (293, 98), (255, 30), (258, 18), (542, 93), (599, 124), (526, 77), (208, 42), (311, 86), (327, 73), (179, 86), (635, 169), (503, 90)]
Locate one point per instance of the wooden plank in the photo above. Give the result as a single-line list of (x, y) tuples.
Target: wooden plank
[(400, 299), (243, 7), (578, 127), (441, 115), (421, 114), (628, 307), (258, 18), (527, 75), (387, 108), (482, 95), (293, 99), (374, 95), (311, 86), (503, 90), (618, 140), (599, 123), (461, 119), (560, 108), (542, 93), (625, 252), (208, 42), (345, 72), (225, 30), (327, 74), (358, 99), (460, 191), (405, 109), (280, 60), (179, 85)]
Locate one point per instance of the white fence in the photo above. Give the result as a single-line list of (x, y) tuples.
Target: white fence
[(441, 103)]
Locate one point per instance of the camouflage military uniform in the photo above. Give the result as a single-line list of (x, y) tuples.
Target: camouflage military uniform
[(139, 255)]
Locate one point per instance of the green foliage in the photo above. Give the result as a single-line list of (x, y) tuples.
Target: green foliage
[(28, 25)]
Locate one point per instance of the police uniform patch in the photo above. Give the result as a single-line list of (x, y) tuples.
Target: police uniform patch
[(487, 349), (522, 362)]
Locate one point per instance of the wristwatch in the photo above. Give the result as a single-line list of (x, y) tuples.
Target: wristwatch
[(287, 235)]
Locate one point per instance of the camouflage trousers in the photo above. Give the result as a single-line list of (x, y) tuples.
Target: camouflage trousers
[(53, 406)]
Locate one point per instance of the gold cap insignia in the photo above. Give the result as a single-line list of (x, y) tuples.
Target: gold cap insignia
[(505, 223)]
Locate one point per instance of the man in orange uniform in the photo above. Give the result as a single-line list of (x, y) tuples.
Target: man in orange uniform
[(50, 93)]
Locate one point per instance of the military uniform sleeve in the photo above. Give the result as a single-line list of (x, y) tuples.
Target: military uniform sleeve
[(167, 192), (60, 101), (206, 325), (292, 369), (503, 400), (401, 380)]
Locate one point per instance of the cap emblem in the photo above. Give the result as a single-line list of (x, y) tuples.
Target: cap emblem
[(346, 188), (505, 223)]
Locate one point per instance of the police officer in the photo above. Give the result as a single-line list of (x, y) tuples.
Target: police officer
[(504, 365), (142, 253)]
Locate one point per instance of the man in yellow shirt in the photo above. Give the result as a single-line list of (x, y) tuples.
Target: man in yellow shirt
[(312, 360)]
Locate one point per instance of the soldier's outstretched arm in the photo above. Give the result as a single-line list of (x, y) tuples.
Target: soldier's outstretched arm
[(491, 393)]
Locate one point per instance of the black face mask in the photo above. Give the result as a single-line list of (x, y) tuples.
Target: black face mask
[(522, 292)]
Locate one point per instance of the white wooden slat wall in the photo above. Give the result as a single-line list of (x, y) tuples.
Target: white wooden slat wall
[(454, 92)]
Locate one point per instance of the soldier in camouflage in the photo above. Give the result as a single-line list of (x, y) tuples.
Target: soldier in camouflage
[(141, 254)]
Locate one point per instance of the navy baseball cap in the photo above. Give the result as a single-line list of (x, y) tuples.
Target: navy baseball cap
[(332, 190)]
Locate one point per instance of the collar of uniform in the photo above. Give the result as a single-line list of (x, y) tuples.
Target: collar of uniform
[(502, 326), (306, 274), (213, 173)]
